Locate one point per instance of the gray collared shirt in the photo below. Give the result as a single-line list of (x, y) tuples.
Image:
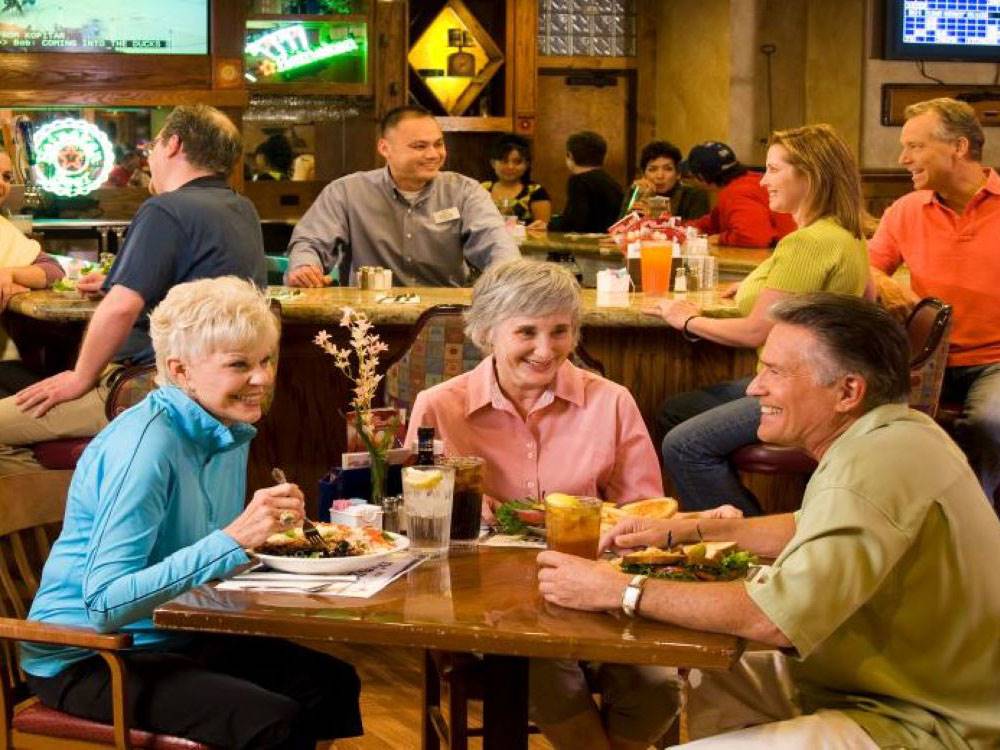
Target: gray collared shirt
[(362, 219)]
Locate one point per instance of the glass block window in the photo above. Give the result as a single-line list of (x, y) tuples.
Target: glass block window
[(603, 28)]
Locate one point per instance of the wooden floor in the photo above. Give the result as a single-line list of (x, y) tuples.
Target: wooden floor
[(390, 699)]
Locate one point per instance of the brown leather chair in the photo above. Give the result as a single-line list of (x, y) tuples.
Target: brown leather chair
[(27, 530), (927, 328)]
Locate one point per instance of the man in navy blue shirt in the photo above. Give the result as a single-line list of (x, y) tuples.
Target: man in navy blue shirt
[(195, 226)]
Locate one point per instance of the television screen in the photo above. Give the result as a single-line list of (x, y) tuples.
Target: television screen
[(943, 30), (177, 27)]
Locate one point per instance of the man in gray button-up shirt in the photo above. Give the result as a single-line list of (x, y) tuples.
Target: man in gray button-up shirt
[(426, 225)]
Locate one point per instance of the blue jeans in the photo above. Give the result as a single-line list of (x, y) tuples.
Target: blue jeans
[(703, 428), (977, 431)]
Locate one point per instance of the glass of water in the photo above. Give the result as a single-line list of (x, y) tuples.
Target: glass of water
[(427, 498)]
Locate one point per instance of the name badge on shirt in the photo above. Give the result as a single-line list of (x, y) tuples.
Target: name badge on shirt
[(445, 214)]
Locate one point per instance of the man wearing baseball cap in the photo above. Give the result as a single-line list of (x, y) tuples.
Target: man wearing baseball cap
[(741, 216)]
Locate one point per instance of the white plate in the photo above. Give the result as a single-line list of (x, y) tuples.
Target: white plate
[(331, 564)]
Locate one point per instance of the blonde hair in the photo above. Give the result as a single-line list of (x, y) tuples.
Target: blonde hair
[(824, 159), (209, 315), (955, 120), (527, 288)]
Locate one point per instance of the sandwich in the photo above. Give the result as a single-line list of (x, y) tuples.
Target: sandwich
[(704, 561), (656, 507)]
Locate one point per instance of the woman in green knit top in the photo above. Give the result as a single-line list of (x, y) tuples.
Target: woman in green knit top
[(811, 175)]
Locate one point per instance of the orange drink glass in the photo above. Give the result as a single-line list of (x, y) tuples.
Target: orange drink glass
[(654, 264), (573, 524)]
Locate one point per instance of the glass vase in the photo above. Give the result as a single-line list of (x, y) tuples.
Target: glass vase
[(379, 469)]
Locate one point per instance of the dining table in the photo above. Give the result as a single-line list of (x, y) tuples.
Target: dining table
[(476, 599)]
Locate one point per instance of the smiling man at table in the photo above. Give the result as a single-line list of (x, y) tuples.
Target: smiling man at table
[(884, 584), (427, 226)]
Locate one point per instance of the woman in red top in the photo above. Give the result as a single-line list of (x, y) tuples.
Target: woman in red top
[(741, 216)]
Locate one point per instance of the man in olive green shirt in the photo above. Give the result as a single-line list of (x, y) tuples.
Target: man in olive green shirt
[(884, 589)]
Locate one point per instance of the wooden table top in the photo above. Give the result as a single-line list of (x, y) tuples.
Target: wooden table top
[(483, 600), (323, 306), (732, 260)]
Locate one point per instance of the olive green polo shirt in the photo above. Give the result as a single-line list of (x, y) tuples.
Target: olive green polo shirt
[(890, 587)]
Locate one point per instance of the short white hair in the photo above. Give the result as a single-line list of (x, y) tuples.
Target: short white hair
[(528, 288), (200, 317)]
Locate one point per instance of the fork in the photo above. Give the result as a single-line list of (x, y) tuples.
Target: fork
[(309, 529)]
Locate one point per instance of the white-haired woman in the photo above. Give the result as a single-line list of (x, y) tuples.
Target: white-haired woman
[(156, 507), (544, 425)]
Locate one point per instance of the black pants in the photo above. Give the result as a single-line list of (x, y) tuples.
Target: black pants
[(225, 691)]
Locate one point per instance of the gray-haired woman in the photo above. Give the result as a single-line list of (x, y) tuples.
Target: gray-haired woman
[(156, 508), (543, 424)]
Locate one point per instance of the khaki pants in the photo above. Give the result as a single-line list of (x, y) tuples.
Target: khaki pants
[(754, 707), (83, 417)]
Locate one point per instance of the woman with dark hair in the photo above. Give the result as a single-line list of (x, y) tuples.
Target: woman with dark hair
[(273, 158), (659, 163), (513, 191)]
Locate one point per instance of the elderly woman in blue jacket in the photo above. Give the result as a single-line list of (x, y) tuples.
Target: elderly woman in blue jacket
[(156, 507)]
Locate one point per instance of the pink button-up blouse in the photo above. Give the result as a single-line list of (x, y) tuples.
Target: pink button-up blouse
[(585, 436)]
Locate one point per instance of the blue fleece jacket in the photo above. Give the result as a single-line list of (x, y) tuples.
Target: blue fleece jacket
[(143, 517)]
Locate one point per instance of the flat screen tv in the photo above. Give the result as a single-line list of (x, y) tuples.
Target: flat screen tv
[(158, 27), (967, 30)]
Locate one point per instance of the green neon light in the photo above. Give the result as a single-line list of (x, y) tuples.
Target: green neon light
[(74, 157), (323, 52), (288, 48)]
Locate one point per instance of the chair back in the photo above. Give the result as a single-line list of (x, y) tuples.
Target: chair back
[(30, 521), (439, 350), (129, 386), (927, 329)]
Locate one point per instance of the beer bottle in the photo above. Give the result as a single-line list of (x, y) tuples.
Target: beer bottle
[(425, 446)]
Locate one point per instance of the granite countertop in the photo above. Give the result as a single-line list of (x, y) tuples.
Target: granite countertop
[(732, 260), (324, 306)]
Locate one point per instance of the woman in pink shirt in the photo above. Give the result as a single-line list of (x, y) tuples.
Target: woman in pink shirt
[(544, 425)]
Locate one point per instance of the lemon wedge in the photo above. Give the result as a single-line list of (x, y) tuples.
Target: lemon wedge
[(561, 500), (424, 479)]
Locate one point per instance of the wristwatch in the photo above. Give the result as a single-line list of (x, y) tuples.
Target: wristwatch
[(632, 594)]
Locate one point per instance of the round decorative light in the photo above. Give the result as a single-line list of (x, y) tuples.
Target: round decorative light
[(74, 157)]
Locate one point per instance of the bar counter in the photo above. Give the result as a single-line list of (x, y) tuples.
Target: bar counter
[(594, 253), (304, 432)]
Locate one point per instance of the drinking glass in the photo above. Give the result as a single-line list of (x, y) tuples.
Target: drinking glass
[(573, 524), (467, 503), (654, 263), (427, 499)]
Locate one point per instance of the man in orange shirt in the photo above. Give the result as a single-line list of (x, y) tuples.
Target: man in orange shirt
[(947, 232)]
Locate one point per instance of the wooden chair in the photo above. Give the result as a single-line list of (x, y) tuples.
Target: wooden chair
[(927, 329), (27, 530)]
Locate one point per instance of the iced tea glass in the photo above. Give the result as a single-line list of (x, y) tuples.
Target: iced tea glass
[(573, 524), (427, 495), (467, 504)]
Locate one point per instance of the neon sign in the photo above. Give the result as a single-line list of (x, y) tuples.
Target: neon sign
[(288, 48), (74, 157)]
